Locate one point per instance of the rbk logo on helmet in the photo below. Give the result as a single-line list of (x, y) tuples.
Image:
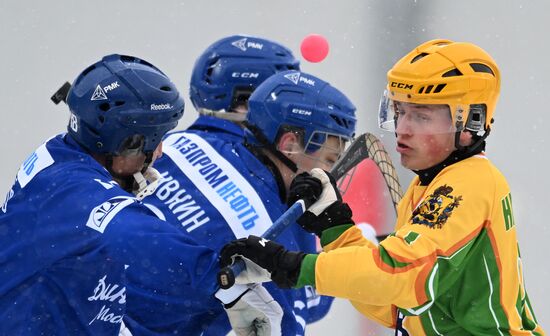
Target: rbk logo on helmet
[(244, 45), (296, 77)]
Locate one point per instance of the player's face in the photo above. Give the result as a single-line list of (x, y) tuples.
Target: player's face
[(424, 136), (323, 158), (127, 165)]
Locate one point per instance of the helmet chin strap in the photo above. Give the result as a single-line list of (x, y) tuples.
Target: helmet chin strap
[(143, 183), (271, 148), (147, 182)]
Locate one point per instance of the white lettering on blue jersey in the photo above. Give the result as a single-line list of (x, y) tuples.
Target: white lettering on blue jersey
[(101, 215), (183, 206), (8, 197), (36, 162), (106, 185), (108, 292), (223, 186)]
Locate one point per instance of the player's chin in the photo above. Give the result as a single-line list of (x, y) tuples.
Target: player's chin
[(409, 162)]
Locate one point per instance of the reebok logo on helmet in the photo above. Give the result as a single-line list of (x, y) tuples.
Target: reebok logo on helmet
[(159, 107)]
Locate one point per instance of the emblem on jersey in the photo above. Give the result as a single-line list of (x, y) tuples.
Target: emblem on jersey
[(437, 208), (101, 215)]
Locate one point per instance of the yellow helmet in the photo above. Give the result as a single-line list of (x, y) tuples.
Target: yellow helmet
[(458, 74)]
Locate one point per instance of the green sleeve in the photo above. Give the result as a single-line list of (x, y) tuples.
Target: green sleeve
[(331, 234), (307, 271)]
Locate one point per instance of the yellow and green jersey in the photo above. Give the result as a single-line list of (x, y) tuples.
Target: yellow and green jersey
[(452, 266)]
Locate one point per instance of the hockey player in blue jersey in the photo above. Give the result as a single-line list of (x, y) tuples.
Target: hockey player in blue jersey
[(216, 188), (71, 231), (223, 78)]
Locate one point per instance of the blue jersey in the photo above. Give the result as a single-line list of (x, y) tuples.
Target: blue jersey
[(70, 238), (223, 129), (215, 189)]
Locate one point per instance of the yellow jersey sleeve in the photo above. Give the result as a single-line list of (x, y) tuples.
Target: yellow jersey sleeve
[(435, 223)]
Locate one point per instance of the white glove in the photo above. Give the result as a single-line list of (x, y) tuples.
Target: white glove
[(256, 313), (328, 195), (252, 274)]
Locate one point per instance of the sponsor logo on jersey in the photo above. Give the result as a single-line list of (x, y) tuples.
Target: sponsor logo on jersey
[(101, 215), (244, 44), (220, 183), (181, 203), (160, 107), (108, 292), (437, 208)]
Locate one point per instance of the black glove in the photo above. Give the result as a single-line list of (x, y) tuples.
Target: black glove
[(283, 265), (338, 213), (304, 186)]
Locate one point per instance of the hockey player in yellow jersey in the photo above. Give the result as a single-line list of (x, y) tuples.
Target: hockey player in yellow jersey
[(452, 266)]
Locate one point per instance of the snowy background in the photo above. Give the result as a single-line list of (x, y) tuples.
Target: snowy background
[(44, 43)]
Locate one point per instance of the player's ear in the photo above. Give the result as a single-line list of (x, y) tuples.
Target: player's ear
[(466, 138), (289, 143), (158, 151)]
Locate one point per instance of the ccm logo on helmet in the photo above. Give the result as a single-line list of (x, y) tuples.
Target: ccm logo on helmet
[(402, 85), (301, 112), (158, 107), (245, 75)]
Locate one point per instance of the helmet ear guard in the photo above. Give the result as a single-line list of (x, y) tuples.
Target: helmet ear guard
[(476, 118)]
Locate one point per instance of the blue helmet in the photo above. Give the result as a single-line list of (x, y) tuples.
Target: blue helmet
[(303, 101), (118, 99), (231, 68)]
